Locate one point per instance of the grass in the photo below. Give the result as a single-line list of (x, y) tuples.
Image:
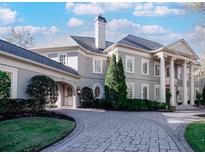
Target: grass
[(195, 135), (32, 133)]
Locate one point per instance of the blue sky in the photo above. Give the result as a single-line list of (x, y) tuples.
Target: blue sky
[(161, 22)]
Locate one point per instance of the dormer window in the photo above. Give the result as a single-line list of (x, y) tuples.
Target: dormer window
[(62, 59)]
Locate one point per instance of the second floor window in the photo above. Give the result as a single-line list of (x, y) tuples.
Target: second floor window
[(62, 59), (97, 66), (145, 67), (129, 64), (156, 70)]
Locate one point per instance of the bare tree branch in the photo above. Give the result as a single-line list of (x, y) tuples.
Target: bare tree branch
[(21, 38)]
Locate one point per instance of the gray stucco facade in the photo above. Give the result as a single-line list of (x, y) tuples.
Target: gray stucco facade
[(151, 69)]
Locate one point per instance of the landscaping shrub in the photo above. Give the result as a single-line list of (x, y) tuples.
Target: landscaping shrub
[(102, 104), (5, 85), (14, 107), (142, 105), (86, 97), (43, 89), (168, 95), (136, 105)]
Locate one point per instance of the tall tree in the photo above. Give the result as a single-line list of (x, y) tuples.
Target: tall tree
[(115, 86), (111, 81), (20, 38), (121, 86)]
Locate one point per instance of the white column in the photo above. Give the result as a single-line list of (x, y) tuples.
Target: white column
[(192, 88), (172, 76), (162, 79), (185, 83)]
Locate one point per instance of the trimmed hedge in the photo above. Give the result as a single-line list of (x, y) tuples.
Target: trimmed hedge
[(135, 105), (14, 107), (147, 105)]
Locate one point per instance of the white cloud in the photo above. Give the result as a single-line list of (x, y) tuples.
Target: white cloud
[(53, 29), (84, 8), (34, 30), (95, 8), (153, 29), (149, 9), (75, 22), (124, 24), (116, 29), (7, 16), (117, 24)]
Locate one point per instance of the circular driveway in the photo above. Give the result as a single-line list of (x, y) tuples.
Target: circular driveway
[(99, 130)]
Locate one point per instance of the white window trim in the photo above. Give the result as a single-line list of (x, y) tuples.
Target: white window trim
[(101, 65), (101, 90), (133, 62), (14, 80), (156, 63), (133, 88), (142, 86), (155, 87), (142, 62), (65, 58)]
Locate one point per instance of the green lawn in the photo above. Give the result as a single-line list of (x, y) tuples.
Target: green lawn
[(195, 135), (32, 133)]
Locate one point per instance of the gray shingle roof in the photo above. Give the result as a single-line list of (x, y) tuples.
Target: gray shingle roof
[(139, 42), (21, 52), (89, 43)]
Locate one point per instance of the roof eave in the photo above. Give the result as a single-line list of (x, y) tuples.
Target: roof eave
[(36, 63)]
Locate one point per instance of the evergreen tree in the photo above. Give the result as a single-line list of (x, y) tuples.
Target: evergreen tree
[(111, 80), (121, 83), (115, 86)]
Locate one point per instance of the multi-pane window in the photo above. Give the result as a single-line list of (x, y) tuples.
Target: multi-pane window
[(97, 66), (157, 93), (179, 73), (145, 91), (62, 59), (129, 64), (167, 72), (145, 67), (156, 69), (130, 90)]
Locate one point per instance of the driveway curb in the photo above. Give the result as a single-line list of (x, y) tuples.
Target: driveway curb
[(62, 143)]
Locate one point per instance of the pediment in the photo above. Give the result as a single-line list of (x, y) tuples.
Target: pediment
[(182, 47)]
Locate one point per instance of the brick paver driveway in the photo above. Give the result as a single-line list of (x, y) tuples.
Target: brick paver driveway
[(99, 130)]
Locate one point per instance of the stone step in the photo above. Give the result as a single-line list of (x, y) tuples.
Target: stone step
[(187, 108)]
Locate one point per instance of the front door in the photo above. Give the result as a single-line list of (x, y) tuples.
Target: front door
[(68, 97)]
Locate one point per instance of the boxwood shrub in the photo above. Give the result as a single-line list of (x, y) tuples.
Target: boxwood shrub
[(135, 105), (16, 107)]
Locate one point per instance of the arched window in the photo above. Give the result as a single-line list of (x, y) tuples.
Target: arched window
[(97, 92)]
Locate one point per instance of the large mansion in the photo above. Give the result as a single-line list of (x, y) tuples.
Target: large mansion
[(150, 67)]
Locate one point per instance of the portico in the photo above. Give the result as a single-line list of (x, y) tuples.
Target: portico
[(172, 57)]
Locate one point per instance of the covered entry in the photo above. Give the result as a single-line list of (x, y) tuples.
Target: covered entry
[(67, 95)]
